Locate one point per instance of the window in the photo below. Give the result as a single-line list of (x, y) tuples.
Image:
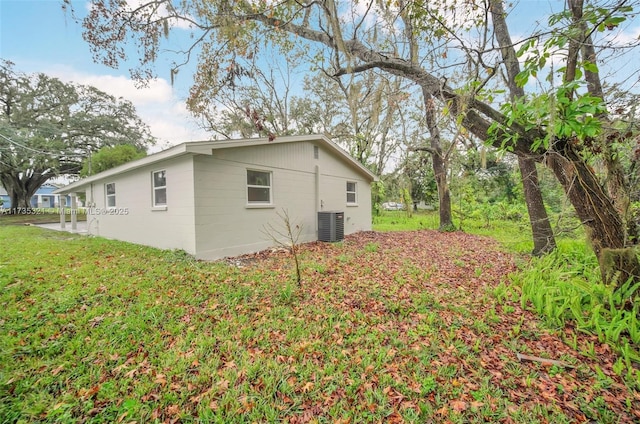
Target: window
[(351, 192), (258, 187), (159, 179), (316, 153), (110, 193)]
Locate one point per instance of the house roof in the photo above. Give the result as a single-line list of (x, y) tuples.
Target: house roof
[(207, 147), (4, 192)]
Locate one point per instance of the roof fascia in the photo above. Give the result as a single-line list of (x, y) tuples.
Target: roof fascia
[(172, 152), (207, 147)]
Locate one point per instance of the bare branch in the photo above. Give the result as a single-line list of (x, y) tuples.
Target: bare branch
[(286, 235)]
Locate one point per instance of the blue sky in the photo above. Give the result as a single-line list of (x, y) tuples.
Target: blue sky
[(39, 37)]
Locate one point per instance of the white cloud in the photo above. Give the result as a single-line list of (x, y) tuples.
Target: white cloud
[(623, 37), (158, 90), (157, 104)]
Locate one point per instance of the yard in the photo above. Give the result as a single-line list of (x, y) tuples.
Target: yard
[(405, 326)]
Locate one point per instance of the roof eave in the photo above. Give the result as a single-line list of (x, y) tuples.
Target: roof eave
[(206, 148), (172, 152)]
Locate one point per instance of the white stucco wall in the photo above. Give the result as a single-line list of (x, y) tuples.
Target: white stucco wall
[(134, 218), (334, 175), (226, 225)]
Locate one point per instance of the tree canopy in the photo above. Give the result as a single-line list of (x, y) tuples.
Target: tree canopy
[(48, 127), (109, 157)]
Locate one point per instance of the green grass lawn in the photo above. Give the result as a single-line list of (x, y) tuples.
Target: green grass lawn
[(513, 235), (407, 326)]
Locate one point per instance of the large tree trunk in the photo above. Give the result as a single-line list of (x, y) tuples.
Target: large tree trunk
[(439, 164), (24, 199), (543, 238), (438, 158), (444, 195), (20, 200), (618, 262), (21, 190), (605, 227), (15, 202), (616, 180)]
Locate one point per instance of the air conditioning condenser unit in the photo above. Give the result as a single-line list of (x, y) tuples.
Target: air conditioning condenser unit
[(331, 226)]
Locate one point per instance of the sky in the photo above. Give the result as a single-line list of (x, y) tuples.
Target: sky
[(38, 36)]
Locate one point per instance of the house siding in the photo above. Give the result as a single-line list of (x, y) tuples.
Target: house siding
[(135, 220), (43, 198), (334, 175), (227, 226)]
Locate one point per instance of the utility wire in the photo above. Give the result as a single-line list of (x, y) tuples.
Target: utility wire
[(41, 152)]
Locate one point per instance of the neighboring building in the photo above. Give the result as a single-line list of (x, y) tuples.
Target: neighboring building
[(44, 197), (214, 198), (5, 201)]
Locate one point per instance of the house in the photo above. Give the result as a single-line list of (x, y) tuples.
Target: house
[(5, 200), (214, 199), (43, 198)]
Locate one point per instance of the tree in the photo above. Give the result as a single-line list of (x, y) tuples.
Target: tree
[(576, 133), (253, 101), (491, 173), (385, 37), (367, 115), (375, 119), (48, 127), (361, 114), (411, 179), (543, 238), (109, 157)]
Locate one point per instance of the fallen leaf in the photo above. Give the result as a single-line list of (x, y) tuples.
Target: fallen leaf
[(308, 386), (458, 405), (57, 370), (160, 379)]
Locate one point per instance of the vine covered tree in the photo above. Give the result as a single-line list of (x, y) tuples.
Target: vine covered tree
[(48, 127)]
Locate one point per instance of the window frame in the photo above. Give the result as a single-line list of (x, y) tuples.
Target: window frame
[(354, 192), (155, 188), (259, 203), (108, 196)]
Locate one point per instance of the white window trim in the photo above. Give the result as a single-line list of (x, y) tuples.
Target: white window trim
[(355, 192), (107, 196), (254, 204), (154, 205)]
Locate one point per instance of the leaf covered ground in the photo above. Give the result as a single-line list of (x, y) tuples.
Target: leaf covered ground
[(415, 326)]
